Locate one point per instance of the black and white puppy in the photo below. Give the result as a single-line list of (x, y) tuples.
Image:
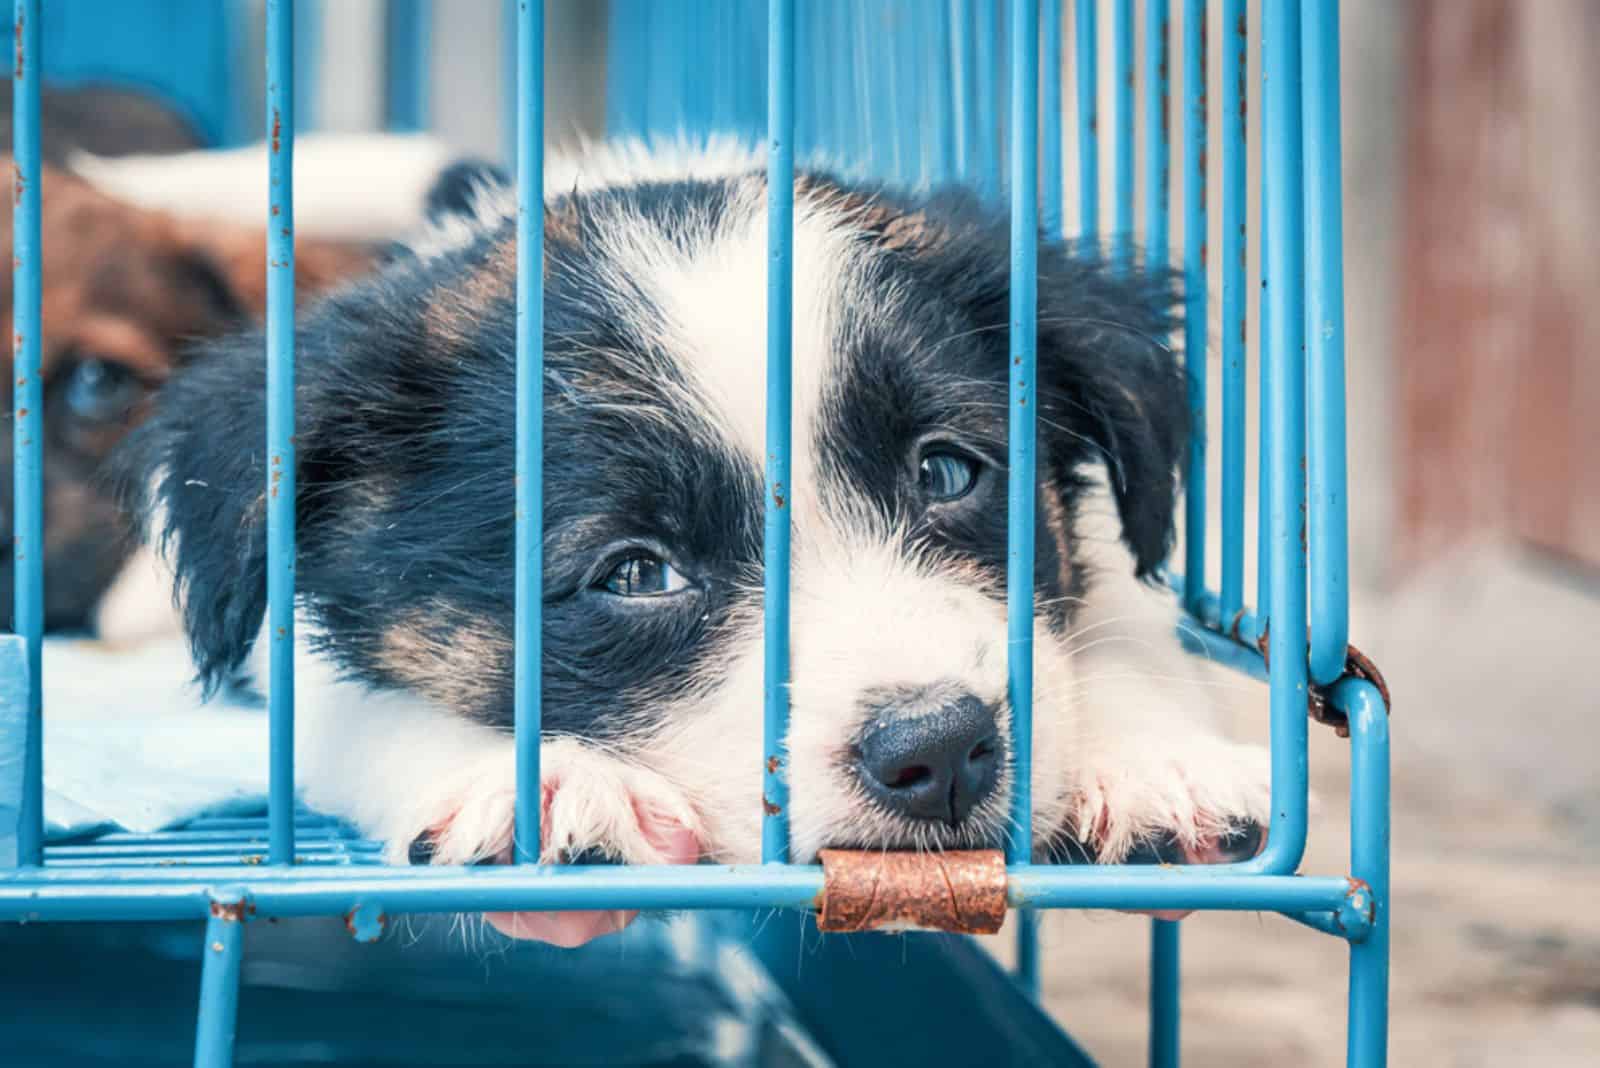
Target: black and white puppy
[(655, 278)]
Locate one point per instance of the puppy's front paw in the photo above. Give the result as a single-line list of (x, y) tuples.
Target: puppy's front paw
[(1193, 798), (593, 806)]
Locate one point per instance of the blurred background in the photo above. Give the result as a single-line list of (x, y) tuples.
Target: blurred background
[(1471, 148)]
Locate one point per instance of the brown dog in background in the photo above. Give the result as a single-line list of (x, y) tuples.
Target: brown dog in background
[(125, 290)]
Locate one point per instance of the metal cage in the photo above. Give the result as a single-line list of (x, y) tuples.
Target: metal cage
[(964, 136)]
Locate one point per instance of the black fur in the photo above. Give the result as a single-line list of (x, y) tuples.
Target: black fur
[(458, 186), (1110, 387), (404, 439)]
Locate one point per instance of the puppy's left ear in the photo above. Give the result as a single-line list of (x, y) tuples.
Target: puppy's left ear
[(1111, 390), (465, 189)]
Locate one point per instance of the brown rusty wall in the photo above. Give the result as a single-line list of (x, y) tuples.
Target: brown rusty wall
[(1499, 324)]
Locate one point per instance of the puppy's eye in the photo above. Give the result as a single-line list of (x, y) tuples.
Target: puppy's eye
[(102, 390), (947, 476), (643, 575)]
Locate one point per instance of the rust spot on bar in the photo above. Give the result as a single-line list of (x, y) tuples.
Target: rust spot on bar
[(365, 923), (20, 65), (961, 891), (770, 808), (234, 911), (22, 413), (277, 127), (773, 764), (1360, 897), (1357, 665)]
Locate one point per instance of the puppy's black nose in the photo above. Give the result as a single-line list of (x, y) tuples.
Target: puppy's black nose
[(935, 765)]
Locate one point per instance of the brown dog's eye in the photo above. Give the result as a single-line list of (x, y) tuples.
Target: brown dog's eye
[(101, 391)]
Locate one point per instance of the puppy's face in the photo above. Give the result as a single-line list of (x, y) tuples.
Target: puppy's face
[(654, 500), (124, 290)]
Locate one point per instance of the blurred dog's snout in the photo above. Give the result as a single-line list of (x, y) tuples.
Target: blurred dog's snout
[(936, 764)]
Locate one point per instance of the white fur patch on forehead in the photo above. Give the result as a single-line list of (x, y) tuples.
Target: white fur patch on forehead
[(713, 305)]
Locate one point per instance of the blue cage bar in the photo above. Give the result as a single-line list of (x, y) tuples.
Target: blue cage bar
[(946, 67)]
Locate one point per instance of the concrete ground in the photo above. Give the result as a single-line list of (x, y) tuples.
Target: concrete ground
[(1496, 857)]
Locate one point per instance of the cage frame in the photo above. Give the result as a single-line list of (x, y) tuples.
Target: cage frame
[(1302, 521)]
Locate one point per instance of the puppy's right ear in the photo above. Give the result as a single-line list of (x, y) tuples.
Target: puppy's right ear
[(196, 483)]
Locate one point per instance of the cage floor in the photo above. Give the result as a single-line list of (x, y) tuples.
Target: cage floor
[(743, 988), (319, 840)]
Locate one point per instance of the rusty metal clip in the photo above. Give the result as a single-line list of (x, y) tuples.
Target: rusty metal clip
[(1357, 665), (866, 890)]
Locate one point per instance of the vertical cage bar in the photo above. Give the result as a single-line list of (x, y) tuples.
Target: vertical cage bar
[(665, 96), (1283, 488), (1195, 286), (880, 89), (508, 80), (965, 79), (626, 104), (1265, 457), (939, 67), (1051, 206), (1028, 946), (27, 426), (780, 492), (1235, 249), (1024, 358), (1164, 986), (529, 576), (1325, 396), (1122, 117), (280, 427), (805, 61), (847, 114), (1157, 132), (899, 51), (1086, 51), (219, 983), (718, 64), (408, 38), (987, 32), (308, 60), (1367, 1034)]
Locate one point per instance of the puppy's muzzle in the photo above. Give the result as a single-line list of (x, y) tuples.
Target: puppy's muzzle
[(934, 761)]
